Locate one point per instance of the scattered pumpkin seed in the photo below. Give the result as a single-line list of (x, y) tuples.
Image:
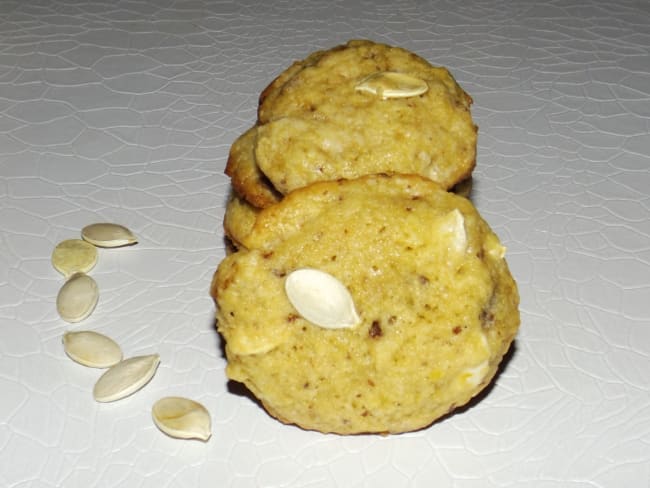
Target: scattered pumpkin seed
[(182, 418), (106, 234), (74, 255), (392, 84), (77, 298), (125, 378), (92, 349), (321, 299)]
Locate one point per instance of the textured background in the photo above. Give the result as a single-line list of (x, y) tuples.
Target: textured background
[(125, 110)]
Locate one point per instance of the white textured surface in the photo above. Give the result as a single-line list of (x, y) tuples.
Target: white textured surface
[(124, 111)]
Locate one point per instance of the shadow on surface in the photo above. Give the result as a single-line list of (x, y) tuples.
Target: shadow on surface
[(485, 391)]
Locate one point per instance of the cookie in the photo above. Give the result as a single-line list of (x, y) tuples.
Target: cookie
[(321, 120), (239, 218), (240, 215), (246, 178), (434, 307)]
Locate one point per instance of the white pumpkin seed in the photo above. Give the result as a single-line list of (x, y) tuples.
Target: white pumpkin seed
[(92, 349), (182, 418), (392, 84), (321, 299), (74, 256), (77, 298), (106, 234), (125, 378)]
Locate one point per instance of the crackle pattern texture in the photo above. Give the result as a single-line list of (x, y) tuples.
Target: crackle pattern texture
[(125, 110)]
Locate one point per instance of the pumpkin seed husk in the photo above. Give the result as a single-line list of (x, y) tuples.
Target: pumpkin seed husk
[(92, 349), (73, 256), (321, 299), (77, 298), (106, 234), (182, 418), (125, 378)]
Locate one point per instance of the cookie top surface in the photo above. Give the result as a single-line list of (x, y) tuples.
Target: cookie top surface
[(436, 302), (316, 124)]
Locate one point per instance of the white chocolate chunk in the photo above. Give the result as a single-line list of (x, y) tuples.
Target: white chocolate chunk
[(92, 349), (182, 418), (484, 343), (498, 252), (77, 298), (125, 378), (474, 375), (321, 299), (452, 228), (105, 234), (494, 248), (392, 84), (74, 256)]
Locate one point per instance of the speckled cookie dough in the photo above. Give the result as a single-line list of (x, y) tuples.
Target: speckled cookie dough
[(437, 305), (356, 109), (239, 218), (318, 125)]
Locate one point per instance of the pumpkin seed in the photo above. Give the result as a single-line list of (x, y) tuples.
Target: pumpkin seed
[(74, 255), (182, 418), (106, 234), (125, 378), (392, 84), (92, 349), (77, 298), (321, 299)]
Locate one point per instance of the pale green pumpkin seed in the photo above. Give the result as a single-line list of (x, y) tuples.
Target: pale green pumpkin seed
[(73, 256)]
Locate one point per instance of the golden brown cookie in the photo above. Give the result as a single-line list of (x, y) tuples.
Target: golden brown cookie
[(435, 307), (322, 120), (239, 218), (246, 178), (240, 215)]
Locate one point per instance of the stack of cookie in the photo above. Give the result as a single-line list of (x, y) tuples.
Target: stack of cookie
[(357, 109), (363, 295)]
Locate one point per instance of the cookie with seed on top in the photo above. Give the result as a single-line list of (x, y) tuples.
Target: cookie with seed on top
[(365, 108), (376, 304), (356, 109)]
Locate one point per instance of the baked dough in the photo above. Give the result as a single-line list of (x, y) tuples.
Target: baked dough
[(246, 178), (239, 218), (437, 304), (314, 124)]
